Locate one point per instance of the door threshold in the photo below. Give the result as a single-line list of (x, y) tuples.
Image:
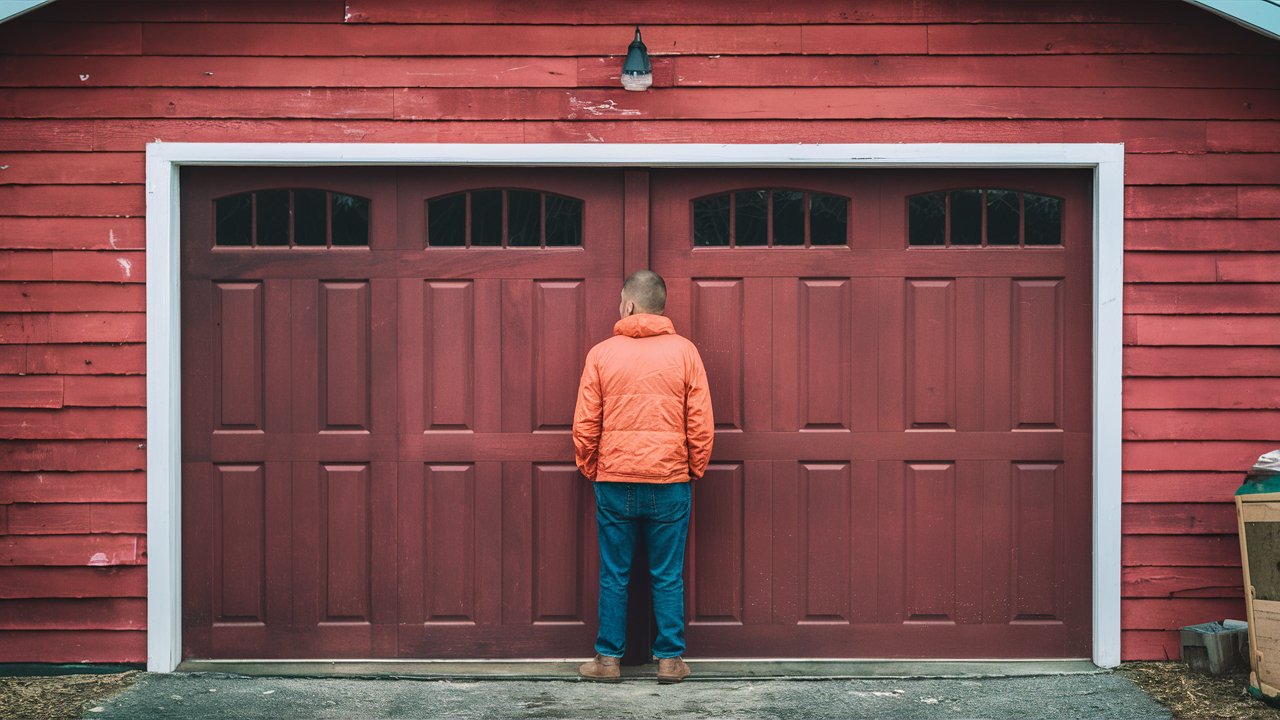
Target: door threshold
[(710, 669)]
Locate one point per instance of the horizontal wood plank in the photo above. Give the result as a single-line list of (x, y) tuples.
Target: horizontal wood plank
[(649, 12), (1174, 299), (31, 37), (1218, 518), (132, 134), (73, 423), (104, 391), (1181, 551), (72, 200), (71, 297), (244, 11), (1150, 645), (1201, 235), (83, 359), (1179, 582), (74, 614), (1173, 613), (65, 233), (1224, 136), (683, 103), (1192, 456), (30, 391), (30, 328), (1201, 361), (70, 582), (73, 455), (77, 518), (54, 168), (115, 266), (1224, 330), (1192, 201), (73, 646), (1261, 393), (1259, 202), (1203, 169), (1182, 582), (72, 487), (72, 550), (1033, 39)]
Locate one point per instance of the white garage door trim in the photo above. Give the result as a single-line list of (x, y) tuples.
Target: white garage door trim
[(164, 372)]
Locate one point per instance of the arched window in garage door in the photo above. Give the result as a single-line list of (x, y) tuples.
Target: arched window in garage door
[(291, 217)]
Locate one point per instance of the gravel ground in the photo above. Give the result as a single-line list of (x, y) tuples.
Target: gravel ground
[(1191, 695), (58, 696)]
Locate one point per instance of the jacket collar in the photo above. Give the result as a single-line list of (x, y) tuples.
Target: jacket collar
[(644, 325)]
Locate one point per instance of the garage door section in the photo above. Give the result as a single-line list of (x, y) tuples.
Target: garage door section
[(899, 364), (378, 379)]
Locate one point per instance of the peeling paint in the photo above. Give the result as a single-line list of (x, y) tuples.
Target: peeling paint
[(111, 238), (99, 559), (608, 107), (84, 76), (126, 266), (593, 138)]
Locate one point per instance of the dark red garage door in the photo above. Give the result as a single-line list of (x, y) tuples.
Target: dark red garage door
[(379, 371)]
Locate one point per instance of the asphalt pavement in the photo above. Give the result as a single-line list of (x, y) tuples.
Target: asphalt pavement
[(209, 695)]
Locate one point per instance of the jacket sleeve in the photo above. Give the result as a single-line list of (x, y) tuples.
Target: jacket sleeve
[(588, 418), (699, 423)]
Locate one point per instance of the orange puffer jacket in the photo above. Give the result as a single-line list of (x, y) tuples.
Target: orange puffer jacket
[(644, 410)]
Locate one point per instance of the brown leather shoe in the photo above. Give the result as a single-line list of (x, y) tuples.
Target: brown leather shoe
[(601, 669), (672, 670)]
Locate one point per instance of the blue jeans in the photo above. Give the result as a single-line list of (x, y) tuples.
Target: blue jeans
[(661, 512)]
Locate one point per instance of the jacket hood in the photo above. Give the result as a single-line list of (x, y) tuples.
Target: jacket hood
[(644, 325)]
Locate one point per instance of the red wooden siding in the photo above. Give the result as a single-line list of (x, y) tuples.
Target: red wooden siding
[(87, 84)]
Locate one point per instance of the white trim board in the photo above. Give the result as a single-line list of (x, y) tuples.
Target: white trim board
[(164, 372)]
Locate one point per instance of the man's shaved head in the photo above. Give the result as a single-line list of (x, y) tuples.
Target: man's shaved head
[(647, 290)]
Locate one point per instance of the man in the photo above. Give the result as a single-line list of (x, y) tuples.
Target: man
[(642, 431)]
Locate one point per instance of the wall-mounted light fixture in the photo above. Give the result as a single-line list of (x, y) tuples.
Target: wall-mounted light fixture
[(637, 73)]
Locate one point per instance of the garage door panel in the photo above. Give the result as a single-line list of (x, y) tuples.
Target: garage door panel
[(240, 543), (717, 546), (1037, 509), (930, 354), (716, 327), (1038, 329), (825, 362), (345, 368), (825, 531), (239, 398), (562, 589), (930, 524)]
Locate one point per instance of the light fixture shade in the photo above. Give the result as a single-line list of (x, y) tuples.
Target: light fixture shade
[(637, 72)]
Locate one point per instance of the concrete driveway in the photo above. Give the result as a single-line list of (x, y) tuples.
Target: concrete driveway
[(963, 695)]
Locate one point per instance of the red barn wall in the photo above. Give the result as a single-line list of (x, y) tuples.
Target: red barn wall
[(87, 84)]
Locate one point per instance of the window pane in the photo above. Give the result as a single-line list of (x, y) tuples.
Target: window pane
[(486, 218), (447, 221), (966, 217), (711, 221), (1044, 219), (788, 217), (564, 221), (1003, 219), (524, 218), (828, 220), (308, 217), (750, 217), (927, 219), (350, 220), (273, 217), (233, 224)]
